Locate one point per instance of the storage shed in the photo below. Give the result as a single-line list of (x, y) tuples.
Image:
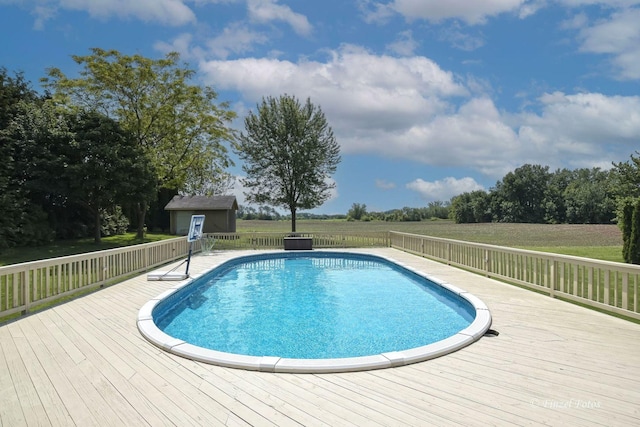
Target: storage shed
[(219, 212)]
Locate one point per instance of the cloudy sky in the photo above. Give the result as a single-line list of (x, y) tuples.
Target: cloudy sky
[(427, 98)]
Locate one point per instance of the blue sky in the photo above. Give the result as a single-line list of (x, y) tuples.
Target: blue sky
[(427, 98)]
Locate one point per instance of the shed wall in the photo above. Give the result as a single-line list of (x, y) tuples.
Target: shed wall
[(221, 221)]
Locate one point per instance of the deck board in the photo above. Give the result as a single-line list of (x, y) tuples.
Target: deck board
[(85, 363), (12, 413)]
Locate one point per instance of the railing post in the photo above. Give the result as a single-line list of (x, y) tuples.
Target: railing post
[(487, 262), (27, 290), (552, 280), (101, 269)]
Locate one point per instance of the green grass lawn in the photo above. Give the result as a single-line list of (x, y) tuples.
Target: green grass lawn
[(605, 253), (597, 241), (73, 247)]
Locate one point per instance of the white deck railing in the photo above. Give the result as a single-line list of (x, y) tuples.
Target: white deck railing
[(32, 284), (29, 284), (320, 240), (609, 286)]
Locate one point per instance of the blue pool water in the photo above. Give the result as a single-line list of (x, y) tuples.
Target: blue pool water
[(305, 305)]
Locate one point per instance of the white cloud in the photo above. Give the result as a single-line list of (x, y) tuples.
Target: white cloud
[(475, 135), (530, 7), (576, 22), (618, 36), (269, 10), (461, 40), (471, 12), (237, 38), (352, 79), (239, 190), (385, 185), (410, 108), (583, 130), (42, 14), (168, 12), (603, 3), (405, 45), (333, 193), (375, 12), (183, 45), (443, 189)]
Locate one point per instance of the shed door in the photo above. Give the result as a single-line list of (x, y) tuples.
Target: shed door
[(183, 220)]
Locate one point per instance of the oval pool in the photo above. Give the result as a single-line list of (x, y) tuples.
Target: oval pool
[(313, 311)]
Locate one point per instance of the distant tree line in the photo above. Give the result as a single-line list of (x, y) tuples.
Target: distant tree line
[(264, 213), (358, 212), (533, 194), (434, 210)]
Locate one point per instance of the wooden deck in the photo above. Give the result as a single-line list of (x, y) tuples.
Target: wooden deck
[(84, 363)]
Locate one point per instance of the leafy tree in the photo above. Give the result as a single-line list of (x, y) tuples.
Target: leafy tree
[(197, 185), (626, 207), (634, 236), (15, 93), (289, 153), (555, 209), (587, 198), (34, 136), (113, 221), (357, 211), (625, 186), (470, 207), (105, 166), (520, 196), (178, 125), (436, 209), (627, 177)]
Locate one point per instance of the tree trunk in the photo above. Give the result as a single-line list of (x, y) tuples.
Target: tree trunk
[(142, 212), (293, 220), (97, 233)]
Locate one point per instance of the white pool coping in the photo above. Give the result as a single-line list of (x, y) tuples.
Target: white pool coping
[(467, 336)]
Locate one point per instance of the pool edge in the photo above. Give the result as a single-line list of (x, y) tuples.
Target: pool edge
[(472, 333)]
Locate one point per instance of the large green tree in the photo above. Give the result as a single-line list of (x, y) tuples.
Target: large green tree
[(178, 124), (626, 188), (470, 207), (105, 167), (520, 196), (357, 211), (289, 153), (627, 177), (31, 189), (14, 90), (587, 198)]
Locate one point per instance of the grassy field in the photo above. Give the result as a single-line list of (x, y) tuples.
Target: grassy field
[(593, 241), (73, 247)]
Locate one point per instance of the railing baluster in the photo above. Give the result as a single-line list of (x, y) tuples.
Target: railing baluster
[(26, 285), (601, 284)]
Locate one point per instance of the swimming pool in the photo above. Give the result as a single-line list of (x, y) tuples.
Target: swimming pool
[(315, 311)]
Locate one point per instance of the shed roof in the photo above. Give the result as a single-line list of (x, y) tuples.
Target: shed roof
[(204, 203)]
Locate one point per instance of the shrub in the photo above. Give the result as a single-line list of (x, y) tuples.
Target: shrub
[(113, 221)]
